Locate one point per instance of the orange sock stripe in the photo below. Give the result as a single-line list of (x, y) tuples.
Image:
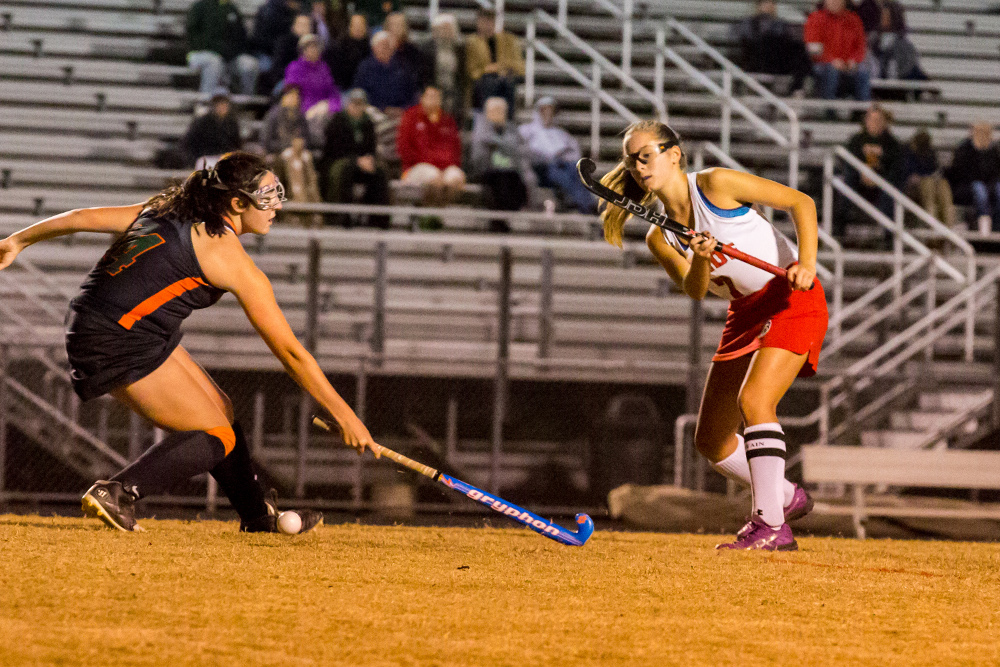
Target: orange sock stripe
[(226, 435), (152, 303)]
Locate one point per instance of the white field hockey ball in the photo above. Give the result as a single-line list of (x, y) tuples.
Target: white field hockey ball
[(289, 523)]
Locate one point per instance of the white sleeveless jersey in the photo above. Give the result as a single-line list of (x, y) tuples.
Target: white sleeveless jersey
[(742, 228)]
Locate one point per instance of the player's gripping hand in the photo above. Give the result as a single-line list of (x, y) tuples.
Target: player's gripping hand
[(801, 277), (703, 244), (8, 251), (356, 435)]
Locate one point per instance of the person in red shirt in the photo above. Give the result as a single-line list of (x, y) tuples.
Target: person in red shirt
[(835, 38), (430, 148)]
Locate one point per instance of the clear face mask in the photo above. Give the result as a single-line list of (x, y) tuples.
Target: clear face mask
[(267, 198)]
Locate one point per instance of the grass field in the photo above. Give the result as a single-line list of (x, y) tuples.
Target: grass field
[(198, 592)]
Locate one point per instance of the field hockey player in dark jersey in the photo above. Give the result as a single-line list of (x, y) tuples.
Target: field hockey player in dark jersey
[(179, 252)]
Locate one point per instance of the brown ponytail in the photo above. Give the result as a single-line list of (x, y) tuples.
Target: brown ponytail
[(621, 181)]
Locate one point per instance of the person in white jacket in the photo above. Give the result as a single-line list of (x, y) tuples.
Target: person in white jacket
[(554, 153)]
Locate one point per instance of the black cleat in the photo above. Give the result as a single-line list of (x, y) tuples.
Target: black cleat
[(112, 504), (311, 519)]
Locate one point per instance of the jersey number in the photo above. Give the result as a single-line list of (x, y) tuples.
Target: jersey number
[(138, 246), (718, 259)]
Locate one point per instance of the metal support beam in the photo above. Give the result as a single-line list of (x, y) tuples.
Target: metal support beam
[(501, 382)]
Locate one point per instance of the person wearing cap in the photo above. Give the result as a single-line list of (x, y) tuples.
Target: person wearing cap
[(213, 133), (218, 46), (494, 61), (284, 121), (430, 148), (313, 76), (349, 159), (553, 153)]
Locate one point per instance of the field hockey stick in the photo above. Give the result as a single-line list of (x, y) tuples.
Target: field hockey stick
[(586, 167), (550, 530)]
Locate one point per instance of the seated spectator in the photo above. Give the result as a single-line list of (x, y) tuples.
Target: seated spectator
[(294, 168), (870, 12), (924, 180), (387, 81), (406, 50), (770, 46), (892, 52), (444, 62), (320, 95), (975, 176), (493, 60), (214, 133), (835, 39), (498, 161), (286, 51), (272, 21), (284, 121), (345, 54), (553, 153), (349, 159), (376, 11), (218, 46), (430, 148), (877, 147), (329, 20)]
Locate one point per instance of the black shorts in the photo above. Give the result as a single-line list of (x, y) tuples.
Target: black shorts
[(104, 355)]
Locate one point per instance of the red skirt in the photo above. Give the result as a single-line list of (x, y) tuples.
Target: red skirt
[(776, 316)]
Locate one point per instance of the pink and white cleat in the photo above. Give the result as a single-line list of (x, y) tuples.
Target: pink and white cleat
[(757, 535), (802, 504)]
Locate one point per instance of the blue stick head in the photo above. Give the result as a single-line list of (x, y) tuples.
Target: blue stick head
[(585, 528)]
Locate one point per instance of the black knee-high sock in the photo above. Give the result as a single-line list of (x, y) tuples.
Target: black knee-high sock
[(177, 457), (239, 482)]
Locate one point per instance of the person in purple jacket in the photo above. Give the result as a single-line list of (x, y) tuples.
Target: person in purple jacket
[(313, 78)]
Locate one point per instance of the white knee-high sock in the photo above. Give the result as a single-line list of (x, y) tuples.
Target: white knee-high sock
[(765, 446), (736, 468)]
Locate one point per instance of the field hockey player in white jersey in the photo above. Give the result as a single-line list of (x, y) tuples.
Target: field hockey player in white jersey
[(774, 328)]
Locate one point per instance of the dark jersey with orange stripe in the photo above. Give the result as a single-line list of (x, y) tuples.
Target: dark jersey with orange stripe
[(149, 280), (126, 322)]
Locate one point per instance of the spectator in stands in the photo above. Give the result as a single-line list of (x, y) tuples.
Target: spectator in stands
[(294, 168), (769, 45), (214, 133), (218, 46), (893, 54), (924, 181), (444, 60), (498, 161), (835, 39), (376, 11), (345, 54), (553, 153), (430, 148), (975, 176), (320, 95), (493, 60), (274, 19), (349, 159), (286, 51), (871, 14), (406, 51), (284, 121), (877, 147), (327, 21), (387, 81)]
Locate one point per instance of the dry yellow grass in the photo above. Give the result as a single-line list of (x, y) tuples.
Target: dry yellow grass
[(187, 593)]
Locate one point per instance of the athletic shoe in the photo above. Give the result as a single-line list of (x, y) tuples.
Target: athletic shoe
[(757, 535), (112, 504), (802, 504), (311, 519)]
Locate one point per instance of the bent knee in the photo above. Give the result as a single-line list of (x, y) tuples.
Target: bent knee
[(756, 405), (226, 435)]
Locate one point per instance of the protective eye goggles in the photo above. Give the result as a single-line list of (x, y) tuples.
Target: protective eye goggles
[(647, 153), (269, 198)]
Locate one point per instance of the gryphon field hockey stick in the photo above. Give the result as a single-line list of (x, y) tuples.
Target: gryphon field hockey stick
[(586, 167), (550, 530)]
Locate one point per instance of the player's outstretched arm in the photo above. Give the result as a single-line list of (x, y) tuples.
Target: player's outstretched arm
[(108, 219), (729, 188), (227, 266)]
